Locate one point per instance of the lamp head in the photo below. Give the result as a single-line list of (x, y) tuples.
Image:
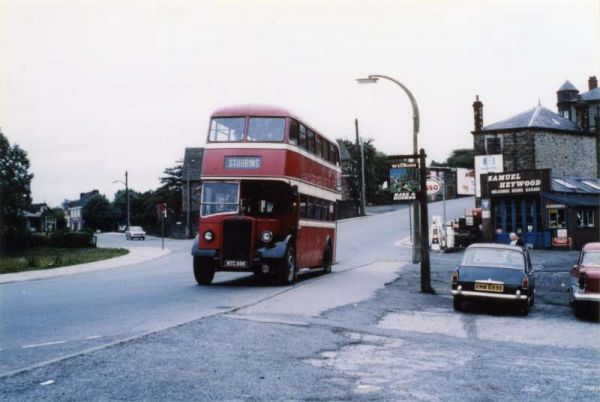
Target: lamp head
[(368, 80)]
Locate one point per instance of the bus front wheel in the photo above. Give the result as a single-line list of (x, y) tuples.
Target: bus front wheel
[(287, 272), (204, 271)]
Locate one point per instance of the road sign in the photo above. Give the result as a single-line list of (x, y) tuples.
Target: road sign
[(161, 209), (433, 186)]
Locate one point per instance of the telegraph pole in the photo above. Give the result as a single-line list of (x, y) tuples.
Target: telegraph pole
[(424, 223), (127, 197), (362, 170)]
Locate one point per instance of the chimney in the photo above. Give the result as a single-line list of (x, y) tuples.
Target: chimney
[(593, 82), (478, 111)]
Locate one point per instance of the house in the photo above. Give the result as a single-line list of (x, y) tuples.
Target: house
[(74, 210), (543, 183), (39, 218)]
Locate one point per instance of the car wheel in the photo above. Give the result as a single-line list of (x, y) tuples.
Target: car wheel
[(144, 238), (457, 303), (532, 300), (524, 308), (327, 259), (126, 237), (204, 271), (287, 273), (577, 309)]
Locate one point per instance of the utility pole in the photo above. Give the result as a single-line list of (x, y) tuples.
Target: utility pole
[(425, 265), (362, 170), (127, 197)]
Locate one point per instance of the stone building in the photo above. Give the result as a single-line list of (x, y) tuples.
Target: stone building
[(546, 188)]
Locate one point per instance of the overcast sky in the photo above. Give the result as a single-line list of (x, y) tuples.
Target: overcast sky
[(93, 88)]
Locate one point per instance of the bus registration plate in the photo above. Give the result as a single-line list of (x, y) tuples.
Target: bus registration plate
[(235, 263)]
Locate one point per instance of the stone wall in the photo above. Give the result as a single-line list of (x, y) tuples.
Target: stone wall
[(568, 154), (517, 148)]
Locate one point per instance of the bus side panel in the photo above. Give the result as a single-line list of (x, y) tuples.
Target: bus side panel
[(305, 245)]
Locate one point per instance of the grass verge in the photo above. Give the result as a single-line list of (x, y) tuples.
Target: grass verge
[(49, 257)]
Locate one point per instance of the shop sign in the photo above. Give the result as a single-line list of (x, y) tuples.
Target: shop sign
[(561, 241), (404, 178), (433, 186), (515, 183)]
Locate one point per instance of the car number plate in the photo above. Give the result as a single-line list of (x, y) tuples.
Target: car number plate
[(235, 263), (489, 287)]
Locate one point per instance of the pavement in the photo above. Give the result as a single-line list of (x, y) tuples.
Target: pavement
[(136, 255)]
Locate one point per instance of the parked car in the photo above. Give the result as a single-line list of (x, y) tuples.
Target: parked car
[(585, 279), (135, 232), (495, 272)]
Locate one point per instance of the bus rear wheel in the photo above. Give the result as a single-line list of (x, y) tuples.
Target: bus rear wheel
[(327, 259), (287, 271), (204, 271)]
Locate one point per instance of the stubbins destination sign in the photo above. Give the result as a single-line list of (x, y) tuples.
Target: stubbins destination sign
[(516, 183), (243, 162)]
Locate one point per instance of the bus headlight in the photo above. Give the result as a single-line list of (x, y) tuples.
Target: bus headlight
[(208, 236), (266, 236)]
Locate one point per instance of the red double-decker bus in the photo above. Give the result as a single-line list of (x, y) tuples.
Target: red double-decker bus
[(268, 199)]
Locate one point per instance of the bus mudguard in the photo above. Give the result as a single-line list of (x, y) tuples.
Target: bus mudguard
[(277, 250), (198, 252)]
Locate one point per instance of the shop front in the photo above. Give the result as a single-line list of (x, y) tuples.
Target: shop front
[(545, 211)]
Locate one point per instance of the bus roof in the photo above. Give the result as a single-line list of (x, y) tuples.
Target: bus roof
[(252, 110), (263, 111)]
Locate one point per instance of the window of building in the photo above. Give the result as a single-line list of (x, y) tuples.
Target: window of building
[(585, 218), (557, 218)]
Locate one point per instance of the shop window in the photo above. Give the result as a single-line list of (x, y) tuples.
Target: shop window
[(585, 218), (557, 218)]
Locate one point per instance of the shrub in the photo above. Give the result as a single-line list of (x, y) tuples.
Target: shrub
[(78, 240)]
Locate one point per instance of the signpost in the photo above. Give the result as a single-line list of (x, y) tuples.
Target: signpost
[(408, 182), (161, 209)]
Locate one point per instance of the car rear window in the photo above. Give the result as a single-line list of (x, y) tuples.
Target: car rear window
[(492, 257)]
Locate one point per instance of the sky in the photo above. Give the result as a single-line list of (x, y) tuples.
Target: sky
[(91, 89)]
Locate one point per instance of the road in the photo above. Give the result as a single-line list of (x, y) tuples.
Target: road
[(45, 319), (363, 332)]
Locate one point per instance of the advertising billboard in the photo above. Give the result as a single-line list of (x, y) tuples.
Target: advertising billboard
[(404, 178), (486, 164), (465, 181)]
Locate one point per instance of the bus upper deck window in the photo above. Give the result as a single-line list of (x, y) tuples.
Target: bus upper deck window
[(293, 132), (266, 129), (311, 142), (302, 142), (227, 129)]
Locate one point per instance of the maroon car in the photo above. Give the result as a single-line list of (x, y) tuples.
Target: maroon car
[(585, 279)]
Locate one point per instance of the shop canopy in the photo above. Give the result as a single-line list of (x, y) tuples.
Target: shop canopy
[(574, 199)]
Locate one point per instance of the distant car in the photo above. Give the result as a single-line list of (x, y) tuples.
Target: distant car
[(495, 272), (135, 232), (585, 278)]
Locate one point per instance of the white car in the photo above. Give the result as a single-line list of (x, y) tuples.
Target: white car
[(135, 232)]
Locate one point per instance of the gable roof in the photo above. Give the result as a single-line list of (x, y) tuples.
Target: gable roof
[(537, 117), (83, 198), (567, 86), (592, 95)]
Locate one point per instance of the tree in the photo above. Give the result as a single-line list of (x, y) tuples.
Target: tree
[(99, 213), (463, 158), (376, 169), (15, 193), (59, 215)]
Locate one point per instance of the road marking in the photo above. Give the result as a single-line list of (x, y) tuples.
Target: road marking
[(92, 337), (405, 242), (49, 382), (42, 344)]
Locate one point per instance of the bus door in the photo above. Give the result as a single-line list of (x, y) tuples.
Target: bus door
[(305, 241)]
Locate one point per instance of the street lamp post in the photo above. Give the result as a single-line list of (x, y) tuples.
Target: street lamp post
[(126, 183), (420, 251), (372, 79)]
